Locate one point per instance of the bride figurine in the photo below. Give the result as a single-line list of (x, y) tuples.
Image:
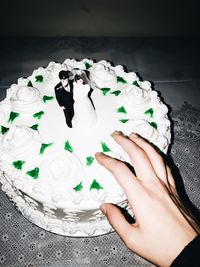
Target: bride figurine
[(84, 112)]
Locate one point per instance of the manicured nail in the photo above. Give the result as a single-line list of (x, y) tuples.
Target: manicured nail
[(103, 208)]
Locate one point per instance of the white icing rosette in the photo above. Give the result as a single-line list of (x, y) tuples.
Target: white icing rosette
[(21, 141), (145, 85), (37, 79), (61, 171), (103, 75), (135, 100), (39, 71), (11, 90), (130, 77), (25, 99), (75, 64), (23, 81), (119, 69), (5, 109), (158, 103), (52, 72), (146, 130)]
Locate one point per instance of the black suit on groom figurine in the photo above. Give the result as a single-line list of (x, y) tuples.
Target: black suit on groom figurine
[(64, 95)]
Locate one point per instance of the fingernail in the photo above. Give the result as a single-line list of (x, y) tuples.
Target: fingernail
[(99, 153), (134, 135), (103, 208), (117, 132)]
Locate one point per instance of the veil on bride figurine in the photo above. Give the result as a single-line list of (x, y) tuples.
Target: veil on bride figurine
[(84, 111)]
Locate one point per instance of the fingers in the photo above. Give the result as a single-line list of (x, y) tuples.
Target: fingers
[(170, 177), (138, 156), (123, 175), (127, 232), (157, 161)]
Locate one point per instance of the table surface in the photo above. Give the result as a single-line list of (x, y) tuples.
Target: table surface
[(172, 65)]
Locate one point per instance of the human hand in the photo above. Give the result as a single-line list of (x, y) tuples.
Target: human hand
[(162, 228)]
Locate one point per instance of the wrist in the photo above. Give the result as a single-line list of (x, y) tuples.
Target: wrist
[(189, 256)]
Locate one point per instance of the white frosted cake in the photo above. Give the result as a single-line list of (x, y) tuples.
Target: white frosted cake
[(48, 144)]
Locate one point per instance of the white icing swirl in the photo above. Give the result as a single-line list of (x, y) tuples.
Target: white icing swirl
[(25, 99), (49, 210), (144, 129), (102, 74), (39, 71), (61, 168), (74, 64), (11, 90), (128, 76), (21, 141), (145, 85), (32, 203), (147, 131), (136, 100), (52, 72), (5, 109), (23, 81)]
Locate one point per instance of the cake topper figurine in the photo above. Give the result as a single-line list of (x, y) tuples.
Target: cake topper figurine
[(84, 112), (64, 95)]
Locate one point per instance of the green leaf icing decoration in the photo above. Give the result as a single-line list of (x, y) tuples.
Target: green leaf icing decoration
[(34, 127), (47, 98), (116, 93), (121, 80), (39, 78), (4, 129), (89, 161), (105, 148), (95, 185), (44, 146), (154, 125), (13, 116), (105, 90), (124, 120), (121, 110), (79, 187), (30, 84), (38, 115), (149, 112), (18, 164), (87, 65), (136, 83), (68, 147), (34, 173)]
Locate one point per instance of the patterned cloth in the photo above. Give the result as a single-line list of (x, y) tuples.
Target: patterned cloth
[(23, 244)]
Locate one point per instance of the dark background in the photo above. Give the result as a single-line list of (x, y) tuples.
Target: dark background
[(157, 39), (99, 18)]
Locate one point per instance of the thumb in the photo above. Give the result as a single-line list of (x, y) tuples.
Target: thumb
[(124, 229)]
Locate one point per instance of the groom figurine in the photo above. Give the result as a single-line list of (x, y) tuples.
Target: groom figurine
[(64, 95)]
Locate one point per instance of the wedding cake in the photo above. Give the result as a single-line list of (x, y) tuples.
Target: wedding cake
[(51, 125)]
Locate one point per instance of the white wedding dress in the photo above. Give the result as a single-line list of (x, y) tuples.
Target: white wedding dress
[(84, 113)]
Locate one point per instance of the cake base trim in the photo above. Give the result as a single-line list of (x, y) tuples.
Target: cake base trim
[(95, 226)]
